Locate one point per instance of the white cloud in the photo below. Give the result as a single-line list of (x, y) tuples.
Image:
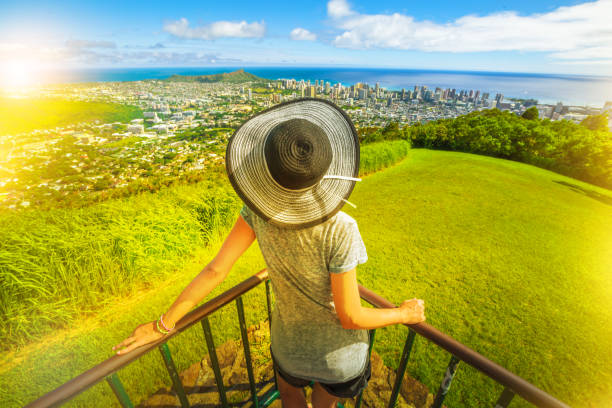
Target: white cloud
[(218, 29), (585, 53), (10, 47), (80, 44), (301, 34), (338, 8), (580, 31)]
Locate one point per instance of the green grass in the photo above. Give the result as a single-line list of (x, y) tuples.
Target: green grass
[(60, 264), (24, 115), (513, 261), (509, 261), (377, 156)]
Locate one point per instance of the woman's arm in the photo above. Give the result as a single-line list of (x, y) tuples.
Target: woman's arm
[(238, 241), (352, 315)]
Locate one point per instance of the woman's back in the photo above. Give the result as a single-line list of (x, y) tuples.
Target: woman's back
[(307, 337)]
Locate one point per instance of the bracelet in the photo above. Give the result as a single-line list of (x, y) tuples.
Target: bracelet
[(159, 329), (164, 325)]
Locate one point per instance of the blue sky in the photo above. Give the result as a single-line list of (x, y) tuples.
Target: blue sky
[(521, 36)]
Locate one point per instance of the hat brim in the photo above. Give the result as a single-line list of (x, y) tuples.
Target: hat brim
[(248, 172)]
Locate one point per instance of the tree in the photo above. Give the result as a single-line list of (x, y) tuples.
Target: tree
[(596, 122), (531, 113)]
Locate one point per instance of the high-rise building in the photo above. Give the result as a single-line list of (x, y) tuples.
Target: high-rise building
[(403, 94), (311, 91), (327, 87), (377, 90)]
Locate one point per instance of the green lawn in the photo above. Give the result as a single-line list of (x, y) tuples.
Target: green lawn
[(512, 260)]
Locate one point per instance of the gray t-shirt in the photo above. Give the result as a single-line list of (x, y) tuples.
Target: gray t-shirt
[(307, 338)]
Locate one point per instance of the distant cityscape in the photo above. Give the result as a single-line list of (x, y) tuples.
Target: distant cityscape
[(112, 156)]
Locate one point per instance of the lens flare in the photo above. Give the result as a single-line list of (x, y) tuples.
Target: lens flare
[(16, 75)]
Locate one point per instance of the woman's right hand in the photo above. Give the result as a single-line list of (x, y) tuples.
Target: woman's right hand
[(413, 311), (144, 334)]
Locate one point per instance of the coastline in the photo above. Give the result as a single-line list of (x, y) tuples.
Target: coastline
[(578, 90)]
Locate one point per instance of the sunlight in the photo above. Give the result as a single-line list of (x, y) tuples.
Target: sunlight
[(18, 74)]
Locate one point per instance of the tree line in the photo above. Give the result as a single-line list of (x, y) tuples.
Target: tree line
[(582, 151)]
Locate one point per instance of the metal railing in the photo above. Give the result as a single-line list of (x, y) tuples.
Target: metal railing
[(513, 384)]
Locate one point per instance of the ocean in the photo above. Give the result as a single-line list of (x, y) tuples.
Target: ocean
[(546, 88)]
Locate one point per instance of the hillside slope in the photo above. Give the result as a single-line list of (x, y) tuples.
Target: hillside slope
[(512, 260)]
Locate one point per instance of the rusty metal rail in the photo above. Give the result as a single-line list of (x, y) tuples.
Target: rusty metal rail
[(98, 373), (511, 381), (107, 370)]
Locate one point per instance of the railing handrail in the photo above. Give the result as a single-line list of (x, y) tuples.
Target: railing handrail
[(96, 374), (518, 385), (491, 369)]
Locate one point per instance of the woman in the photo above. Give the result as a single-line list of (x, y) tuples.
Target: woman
[(294, 166)]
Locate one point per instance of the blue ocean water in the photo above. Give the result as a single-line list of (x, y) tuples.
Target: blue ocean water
[(546, 88)]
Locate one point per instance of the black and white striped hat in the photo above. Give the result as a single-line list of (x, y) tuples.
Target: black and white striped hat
[(296, 163)]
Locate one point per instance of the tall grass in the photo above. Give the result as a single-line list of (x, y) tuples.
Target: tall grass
[(56, 265), (60, 264), (377, 156)]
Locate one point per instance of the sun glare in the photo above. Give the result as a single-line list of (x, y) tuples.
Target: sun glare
[(15, 75)]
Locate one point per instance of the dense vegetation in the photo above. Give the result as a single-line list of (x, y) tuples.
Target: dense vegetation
[(25, 115), (57, 263), (581, 151), (512, 260)]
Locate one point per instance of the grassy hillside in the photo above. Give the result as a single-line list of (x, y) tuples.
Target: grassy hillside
[(512, 260), (24, 115)]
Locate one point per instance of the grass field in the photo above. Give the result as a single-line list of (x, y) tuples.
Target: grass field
[(512, 260), (24, 115)]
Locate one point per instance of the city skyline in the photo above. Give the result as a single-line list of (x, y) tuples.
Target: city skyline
[(568, 37)]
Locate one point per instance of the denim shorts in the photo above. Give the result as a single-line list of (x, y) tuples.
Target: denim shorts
[(348, 389)]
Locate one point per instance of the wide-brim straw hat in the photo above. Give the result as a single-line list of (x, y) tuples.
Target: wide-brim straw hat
[(295, 164)]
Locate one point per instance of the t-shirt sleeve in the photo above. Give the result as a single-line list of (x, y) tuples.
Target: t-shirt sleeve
[(247, 214), (349, 250)]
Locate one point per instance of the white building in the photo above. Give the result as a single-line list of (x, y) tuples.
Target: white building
[(136, 129)]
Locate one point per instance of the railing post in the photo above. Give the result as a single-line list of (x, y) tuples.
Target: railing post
[(372, 335), (212, 353), (268, 301), (247, 350), (178, 386), (399, 376), (269, 305), (505, 398), (117, 387), (446, 382)]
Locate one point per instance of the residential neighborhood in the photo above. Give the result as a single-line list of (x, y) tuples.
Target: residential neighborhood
[(184, 127)]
